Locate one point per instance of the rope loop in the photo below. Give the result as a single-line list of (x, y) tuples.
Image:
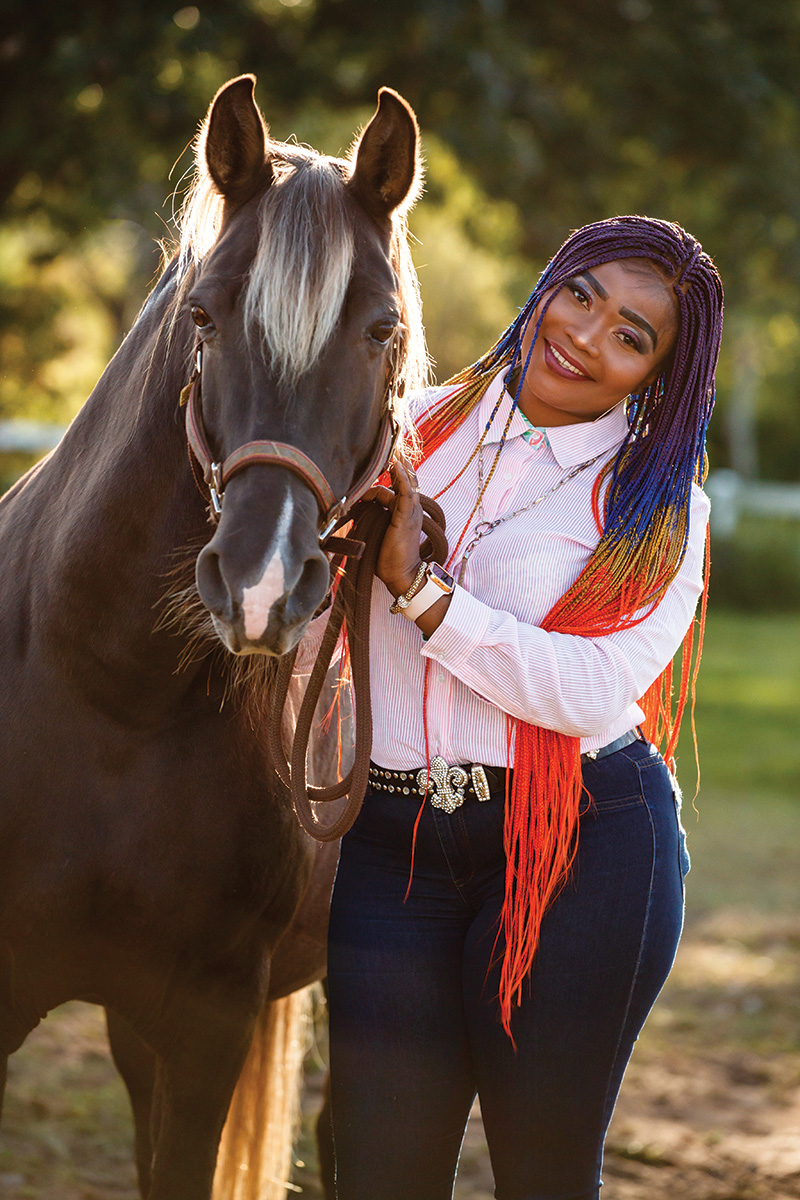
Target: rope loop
[(351, 605)]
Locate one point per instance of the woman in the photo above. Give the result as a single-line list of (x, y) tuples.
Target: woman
[(509, 901)]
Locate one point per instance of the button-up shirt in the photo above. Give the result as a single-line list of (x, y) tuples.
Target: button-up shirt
[(489, 656)]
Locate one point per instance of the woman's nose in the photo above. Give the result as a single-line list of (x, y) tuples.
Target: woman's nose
[(586, 335)]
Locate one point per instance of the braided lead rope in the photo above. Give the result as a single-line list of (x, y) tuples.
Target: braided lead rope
[(353, 603)]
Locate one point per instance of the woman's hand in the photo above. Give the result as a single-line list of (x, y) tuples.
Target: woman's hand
[(399, 557)]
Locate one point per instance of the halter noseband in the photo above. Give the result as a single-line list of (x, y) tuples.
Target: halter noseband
[(217, 474)]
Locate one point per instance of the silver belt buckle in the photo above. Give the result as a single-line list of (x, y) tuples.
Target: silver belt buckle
[(480, 783), (444, 784)]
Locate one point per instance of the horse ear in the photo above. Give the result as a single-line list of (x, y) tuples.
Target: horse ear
[(387, 171), (233, 141)]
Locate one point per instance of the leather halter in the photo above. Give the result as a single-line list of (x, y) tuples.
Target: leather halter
[(217, 474)]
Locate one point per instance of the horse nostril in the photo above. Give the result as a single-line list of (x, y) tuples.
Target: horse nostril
[(309, 590), (211, 585)]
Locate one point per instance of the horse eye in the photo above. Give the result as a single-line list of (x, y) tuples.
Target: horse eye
[(200, 317), (382, 332)]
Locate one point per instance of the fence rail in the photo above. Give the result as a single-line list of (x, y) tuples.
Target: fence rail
[(732, 497), (28, 437)]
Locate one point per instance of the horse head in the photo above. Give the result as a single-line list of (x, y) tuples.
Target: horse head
[(307, 324)]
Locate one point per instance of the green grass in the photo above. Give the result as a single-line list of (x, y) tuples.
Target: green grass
[(745, 835), (748, 708)]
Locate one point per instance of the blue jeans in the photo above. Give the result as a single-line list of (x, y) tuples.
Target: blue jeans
[(414, 1024)]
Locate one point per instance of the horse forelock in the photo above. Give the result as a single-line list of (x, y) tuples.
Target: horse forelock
[(299, 277), (303, 263)]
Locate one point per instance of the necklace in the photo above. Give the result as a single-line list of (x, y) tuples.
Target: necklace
[(483, 527)]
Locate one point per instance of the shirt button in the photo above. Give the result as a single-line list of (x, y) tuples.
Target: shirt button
[(440, 678), (507, 476)]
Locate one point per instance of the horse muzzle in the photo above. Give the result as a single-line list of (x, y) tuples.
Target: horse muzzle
[(263, 610)]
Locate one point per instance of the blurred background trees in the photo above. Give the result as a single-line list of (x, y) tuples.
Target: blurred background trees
[(536, 118)]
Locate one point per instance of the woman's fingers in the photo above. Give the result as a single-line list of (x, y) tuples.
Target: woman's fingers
[(407, 466), (383, 495), (398, 559), (404, 480)]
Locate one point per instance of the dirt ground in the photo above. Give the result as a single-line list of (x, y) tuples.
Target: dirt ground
[(710, 1109)]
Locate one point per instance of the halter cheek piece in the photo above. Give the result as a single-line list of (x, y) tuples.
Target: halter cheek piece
[(217, 474)]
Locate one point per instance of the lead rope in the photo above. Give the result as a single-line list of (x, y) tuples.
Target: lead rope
[(351, 603)]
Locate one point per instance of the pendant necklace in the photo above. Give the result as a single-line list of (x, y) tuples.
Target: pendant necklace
[(483, 527)]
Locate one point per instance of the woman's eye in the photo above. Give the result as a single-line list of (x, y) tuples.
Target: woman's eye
[(578, 293), (200, 317), (382, 332), (631, 340)]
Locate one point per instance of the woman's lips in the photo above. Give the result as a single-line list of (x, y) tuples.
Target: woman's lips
[(561, 363)]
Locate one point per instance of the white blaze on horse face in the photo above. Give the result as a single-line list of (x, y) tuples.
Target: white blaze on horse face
[(257, 601)]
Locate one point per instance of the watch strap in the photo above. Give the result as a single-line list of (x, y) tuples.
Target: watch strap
[(434, 589)]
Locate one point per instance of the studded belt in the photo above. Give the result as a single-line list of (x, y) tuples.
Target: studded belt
[(448, 787)]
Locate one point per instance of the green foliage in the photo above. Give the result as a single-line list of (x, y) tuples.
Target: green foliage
[(687, 110), (78, 300), (472, 276), (551, 115), (758, 568), (64, 310)]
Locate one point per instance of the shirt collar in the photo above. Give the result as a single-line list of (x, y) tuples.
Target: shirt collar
[(569, 444)]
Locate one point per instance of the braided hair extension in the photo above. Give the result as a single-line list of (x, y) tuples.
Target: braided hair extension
[(643, 521)]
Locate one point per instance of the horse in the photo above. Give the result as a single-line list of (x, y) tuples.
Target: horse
[(150, 860)]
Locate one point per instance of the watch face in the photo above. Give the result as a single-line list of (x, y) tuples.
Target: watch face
[(441, 577)]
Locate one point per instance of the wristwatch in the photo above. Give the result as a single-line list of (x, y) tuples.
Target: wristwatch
[(438, 583)]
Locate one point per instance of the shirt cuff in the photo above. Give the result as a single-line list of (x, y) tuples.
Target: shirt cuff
[(461, 631)]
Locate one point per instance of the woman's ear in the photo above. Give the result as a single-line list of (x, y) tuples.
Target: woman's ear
[(651, 378), (661, 368)]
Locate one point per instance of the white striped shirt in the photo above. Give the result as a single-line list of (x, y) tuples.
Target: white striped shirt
[(489, 656)]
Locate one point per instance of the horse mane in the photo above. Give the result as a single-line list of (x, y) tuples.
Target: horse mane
[(302, 267)]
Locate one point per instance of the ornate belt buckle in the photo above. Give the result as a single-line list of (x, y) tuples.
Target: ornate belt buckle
[(480, 783), (445, 784)]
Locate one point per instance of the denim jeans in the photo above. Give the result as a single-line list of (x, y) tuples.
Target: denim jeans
[(414, 1023)]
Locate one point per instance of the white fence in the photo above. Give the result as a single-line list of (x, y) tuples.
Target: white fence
[(28, 437), (732, 496)]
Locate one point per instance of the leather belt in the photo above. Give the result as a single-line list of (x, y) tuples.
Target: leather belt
[(448, 787), (633, 735)]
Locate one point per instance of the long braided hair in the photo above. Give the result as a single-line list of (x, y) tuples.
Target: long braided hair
[(642, 503)]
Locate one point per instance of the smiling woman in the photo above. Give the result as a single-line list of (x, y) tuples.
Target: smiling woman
[(517, 712)]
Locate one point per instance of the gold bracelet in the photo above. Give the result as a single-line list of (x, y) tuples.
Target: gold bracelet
[(405, 597)]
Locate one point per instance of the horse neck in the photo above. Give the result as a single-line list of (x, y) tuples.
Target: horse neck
[(127, 511)]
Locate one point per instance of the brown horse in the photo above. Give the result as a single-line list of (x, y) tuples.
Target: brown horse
[(149, 860)]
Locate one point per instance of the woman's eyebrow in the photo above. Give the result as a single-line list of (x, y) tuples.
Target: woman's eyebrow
[(598, 287), (635, 319), (623, 312)]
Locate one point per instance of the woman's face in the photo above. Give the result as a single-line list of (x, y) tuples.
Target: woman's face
[(606, 333)]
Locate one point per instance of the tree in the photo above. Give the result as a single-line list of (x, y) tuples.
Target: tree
[(570, 112)]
